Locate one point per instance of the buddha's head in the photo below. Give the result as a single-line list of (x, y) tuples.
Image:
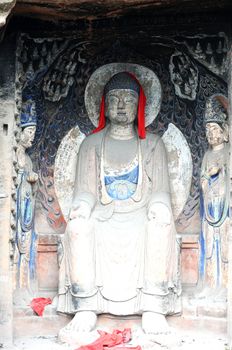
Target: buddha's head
[(121, 99), (217, 131)]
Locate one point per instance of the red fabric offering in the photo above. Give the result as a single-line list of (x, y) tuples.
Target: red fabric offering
[(102, 118), (111, 341), (38, 305), (141, 109)]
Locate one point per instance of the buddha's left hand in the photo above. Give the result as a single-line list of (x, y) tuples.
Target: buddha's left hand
[(160, 213)]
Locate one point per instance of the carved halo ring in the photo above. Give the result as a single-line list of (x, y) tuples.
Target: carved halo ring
[(147, 78)]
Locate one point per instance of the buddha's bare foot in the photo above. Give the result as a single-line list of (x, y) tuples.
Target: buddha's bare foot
[(82, 322), (154, 323)]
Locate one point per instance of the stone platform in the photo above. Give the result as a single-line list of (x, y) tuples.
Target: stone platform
[(192, 341), (198, 316), (202, 323)]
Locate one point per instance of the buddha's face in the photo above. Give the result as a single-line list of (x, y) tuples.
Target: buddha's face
[(215, 134), (121, 106), (27, 136)]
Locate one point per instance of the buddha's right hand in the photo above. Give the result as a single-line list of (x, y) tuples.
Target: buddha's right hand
[(80, 211)]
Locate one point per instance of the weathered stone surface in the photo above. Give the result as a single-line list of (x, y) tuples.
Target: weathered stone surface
[(62, 10), (229, 303), (66, 158), (44, 252), (28, 325), (5, 9), (189, 259), (7, 102), (47, 256)]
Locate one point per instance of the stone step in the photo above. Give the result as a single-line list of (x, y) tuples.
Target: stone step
[(50, 324), (198, 315)]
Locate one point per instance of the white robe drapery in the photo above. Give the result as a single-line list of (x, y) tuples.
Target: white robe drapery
[(120, 262)]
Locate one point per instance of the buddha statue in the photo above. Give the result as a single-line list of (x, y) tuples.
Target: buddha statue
[(25, 236), (120, 253), (215, 201)]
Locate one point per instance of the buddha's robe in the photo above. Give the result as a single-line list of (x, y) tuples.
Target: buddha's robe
[(118, 261)]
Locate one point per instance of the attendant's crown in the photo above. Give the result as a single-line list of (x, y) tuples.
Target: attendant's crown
[(216, 109), (28, 115)]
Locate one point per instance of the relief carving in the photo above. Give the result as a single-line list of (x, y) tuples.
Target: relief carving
[(25, 240), (215, 201)]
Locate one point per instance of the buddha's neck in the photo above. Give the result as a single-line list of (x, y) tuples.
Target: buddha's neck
[(122, 132), (218, 147)]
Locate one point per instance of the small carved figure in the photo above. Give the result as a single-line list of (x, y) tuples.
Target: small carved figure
[(215, 200), (27, 178), (120, 254), (184, 75)]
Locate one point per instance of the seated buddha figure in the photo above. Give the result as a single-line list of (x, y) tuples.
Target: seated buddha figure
[(120, 254)]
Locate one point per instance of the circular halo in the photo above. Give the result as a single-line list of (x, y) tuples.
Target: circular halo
[(147, 78)]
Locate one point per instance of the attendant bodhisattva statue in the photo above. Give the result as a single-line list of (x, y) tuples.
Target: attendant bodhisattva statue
[(215, 201), (26, 191)]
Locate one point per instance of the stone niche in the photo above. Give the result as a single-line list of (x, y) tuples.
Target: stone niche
[(191, 63)]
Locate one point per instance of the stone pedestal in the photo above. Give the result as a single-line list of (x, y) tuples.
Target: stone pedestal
[(197, 317)]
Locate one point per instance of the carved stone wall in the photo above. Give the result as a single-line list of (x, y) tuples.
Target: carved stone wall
[(53, 67), (90, 9), (229, 306), (55, 73), (7, 127), (191, 66), (6, 7)]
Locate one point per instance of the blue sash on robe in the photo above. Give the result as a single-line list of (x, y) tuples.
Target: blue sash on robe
[(122, 186)]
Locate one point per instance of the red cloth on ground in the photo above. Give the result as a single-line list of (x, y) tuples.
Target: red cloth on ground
[(111, 341), (38, 305)]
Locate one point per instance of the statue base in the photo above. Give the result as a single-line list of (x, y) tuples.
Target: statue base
[(196, 317)]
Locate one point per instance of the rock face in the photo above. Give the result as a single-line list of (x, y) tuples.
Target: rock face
[(5, 9), (56, 10)]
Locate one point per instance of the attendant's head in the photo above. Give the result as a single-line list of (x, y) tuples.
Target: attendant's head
[(217, 131), (27, 136), (28, 123)]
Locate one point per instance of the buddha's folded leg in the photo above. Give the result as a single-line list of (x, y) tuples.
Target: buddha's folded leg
[(160, 257), (80, 255)]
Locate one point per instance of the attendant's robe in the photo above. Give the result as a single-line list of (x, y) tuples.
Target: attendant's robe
[(215, 220)]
